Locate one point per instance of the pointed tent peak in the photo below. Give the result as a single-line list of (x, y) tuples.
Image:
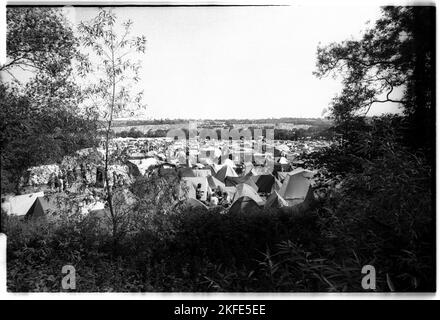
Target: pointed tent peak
[(243, 190), (248, 166), (21, 204), (244, 205), (214, 183), (48, 205), (275, 201), (225, 171), (229, 163), (252, 184), (283, 160), (216, 167)]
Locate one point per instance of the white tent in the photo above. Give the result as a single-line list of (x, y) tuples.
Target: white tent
[(295, 188), (245, 190), (229, 163), (216, 167), (21, 204), (244, 205), (225, 171)]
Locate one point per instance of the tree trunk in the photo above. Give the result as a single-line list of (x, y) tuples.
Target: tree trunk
[(109, 191)]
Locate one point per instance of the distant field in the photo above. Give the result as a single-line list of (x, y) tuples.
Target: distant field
[(146, 127)]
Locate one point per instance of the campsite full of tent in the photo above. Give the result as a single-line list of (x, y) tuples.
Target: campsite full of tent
[(229, 182), (204, 187)]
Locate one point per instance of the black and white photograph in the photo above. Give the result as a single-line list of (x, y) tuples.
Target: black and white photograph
[(218, 147)]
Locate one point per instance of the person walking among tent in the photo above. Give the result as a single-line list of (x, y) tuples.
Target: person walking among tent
[(226, 200), (52, 181), (6, 206), (57, 182), (83, 173), (214, 200), (199, 192), (61, 183)]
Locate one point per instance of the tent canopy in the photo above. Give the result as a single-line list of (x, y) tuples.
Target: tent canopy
[(214, 183), (265, 183), (244, 190), (21, 204), (244, 205), (194, 203), (225, 171), (247, 179), (295, 187), (275, 201)]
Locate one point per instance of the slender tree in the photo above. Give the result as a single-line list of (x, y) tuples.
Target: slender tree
[(109, 64)]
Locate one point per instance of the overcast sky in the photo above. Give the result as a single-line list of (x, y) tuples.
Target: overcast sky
[(238, 62)]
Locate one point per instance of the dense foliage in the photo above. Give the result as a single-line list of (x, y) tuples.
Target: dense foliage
[(39, 117)]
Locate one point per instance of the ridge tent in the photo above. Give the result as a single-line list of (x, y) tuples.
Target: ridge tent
[(265, 183), (214, 183), (275, 201), (234, 181), (225, 171), (244, 205), (21, 204), (295, 189), (244, 190), (43, 206)]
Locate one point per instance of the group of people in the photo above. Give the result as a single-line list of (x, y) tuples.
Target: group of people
[(85, 176), (63, 179), (213, 197)]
